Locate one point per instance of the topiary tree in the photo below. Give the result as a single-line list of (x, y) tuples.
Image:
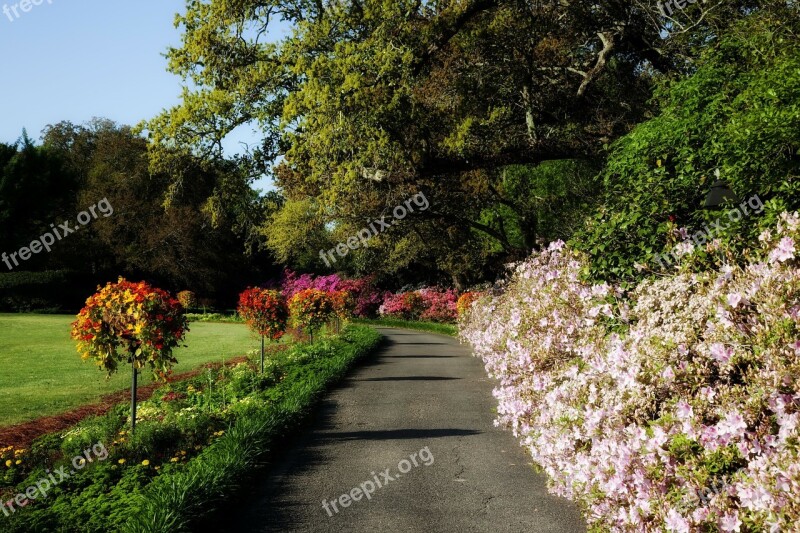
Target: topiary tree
[(266, 313), (188, 299), (311, 309), (344, 306), (131, 323)]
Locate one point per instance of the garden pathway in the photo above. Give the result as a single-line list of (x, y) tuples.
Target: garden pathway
[(421, 390)]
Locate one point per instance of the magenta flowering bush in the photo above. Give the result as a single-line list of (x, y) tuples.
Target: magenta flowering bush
[(368, 297), (675, 407), (293, 283), (432, 304), (363, 290), (405, 305), (440, 305)]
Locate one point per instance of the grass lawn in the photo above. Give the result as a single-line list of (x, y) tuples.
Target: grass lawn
[(432, 327), (42, 374)]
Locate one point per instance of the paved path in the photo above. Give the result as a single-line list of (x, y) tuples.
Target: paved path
[(421, 392)]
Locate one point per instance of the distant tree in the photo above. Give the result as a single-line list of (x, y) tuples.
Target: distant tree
[(178, 231)]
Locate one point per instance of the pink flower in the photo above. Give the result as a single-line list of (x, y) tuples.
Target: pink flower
[(734, 300), (676, 522), (796, 347), (784, 251), (708, 393), (721, 353), (733, 426), (730, 522), (684, 410)]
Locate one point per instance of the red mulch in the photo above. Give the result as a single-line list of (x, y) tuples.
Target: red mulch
[(22, 435)]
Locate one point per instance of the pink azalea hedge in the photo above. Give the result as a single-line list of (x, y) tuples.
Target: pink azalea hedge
[(431, 304), (675, 407), (366, 295)]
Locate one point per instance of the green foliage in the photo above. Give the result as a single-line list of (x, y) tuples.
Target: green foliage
[(214, 317), (739, 112), (365, 104)]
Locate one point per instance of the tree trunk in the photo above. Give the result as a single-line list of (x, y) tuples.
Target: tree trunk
[(134, 387)]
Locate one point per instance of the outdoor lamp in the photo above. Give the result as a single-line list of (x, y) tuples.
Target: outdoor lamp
[(720, 194)]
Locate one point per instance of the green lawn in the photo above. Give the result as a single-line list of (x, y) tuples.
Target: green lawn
[(42, 374), (432, 327)]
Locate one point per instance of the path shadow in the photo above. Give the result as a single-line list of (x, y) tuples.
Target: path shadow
[(420, 356), (398, 434), (424, 344), (410, 378)]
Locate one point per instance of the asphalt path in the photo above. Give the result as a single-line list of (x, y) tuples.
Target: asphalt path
[(421, 408)]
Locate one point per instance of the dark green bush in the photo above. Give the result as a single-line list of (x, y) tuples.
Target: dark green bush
[(738, 113), (44, 291)]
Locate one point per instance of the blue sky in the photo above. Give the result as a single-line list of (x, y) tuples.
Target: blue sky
[(78, 59)]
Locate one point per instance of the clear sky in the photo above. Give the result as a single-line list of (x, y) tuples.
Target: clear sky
[(78, 59)]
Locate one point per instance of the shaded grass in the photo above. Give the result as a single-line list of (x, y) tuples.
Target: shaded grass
[(41, 373), (432, 327)]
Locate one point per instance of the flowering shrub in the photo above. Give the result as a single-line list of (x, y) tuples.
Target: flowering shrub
[(431, 304), (12, 465), (343, 304), (367, 297), (188, 299), (405, 305), (465, 302), (440, 305), (292, 283), (673, 408), (264, 311), (311, 308), (125, 320)]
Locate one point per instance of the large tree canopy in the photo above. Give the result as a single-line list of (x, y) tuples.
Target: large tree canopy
[(365, 103)]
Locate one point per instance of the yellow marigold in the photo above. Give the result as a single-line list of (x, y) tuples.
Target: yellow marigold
[(145, 463), (9, 463)]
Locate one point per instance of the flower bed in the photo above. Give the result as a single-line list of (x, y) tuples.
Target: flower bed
[(194, 441), (675, 407)]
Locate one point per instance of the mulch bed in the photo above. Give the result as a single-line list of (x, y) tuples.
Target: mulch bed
[(22, 435)]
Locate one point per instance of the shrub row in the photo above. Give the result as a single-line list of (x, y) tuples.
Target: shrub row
[(36, 291), (675, 407)]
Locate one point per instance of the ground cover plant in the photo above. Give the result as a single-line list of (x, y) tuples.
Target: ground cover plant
[(675, 407), (196, 441)]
